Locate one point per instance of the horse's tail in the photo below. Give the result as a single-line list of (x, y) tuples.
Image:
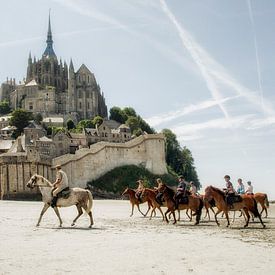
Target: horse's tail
[(198, 217), (255, 209), (90, 201), (266, 200)]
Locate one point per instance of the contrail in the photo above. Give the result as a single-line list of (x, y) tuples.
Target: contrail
[(256, 53), (215, 71), (194, 49)]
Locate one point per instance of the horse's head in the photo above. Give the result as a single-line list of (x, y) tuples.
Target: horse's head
[(125, 191), (32, 182)]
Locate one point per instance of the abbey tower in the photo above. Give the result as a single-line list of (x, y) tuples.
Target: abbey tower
[(51, 88)]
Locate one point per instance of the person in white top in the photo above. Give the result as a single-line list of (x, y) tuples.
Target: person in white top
[(249, 189), (60, 184), (193, 188)]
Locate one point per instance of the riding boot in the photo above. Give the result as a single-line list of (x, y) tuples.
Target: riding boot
[(54, 201)]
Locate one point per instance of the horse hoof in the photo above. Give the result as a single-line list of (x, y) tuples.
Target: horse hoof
[(37, 225), (73, 224), (91, 226)]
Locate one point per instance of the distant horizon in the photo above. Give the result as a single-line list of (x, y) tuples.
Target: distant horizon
[(204, 70)]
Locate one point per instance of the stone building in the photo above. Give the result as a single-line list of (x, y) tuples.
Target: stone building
[(51, 87)]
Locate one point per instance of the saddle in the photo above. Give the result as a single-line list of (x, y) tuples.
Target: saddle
[(183, 200), (64, 194), (232, 198)]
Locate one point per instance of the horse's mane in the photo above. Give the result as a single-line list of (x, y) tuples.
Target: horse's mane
[(169, 191), (219, 191), (44, 180)]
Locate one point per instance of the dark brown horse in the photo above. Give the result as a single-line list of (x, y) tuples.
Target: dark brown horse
[(248, 204), (195, 203), (134, 201)]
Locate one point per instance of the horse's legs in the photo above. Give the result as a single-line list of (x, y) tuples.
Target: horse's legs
[(91, 219), (178, 215), (240, 213), (190, 217), (132, 210), (80, 212), (218, 212), (58, 215), (147, 209), (161, 213), (247, 215), (227, 217), (265, 211), (45, 208), (140, 210), (153, 210), (167, 211)]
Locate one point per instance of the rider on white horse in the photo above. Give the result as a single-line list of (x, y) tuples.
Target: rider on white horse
[(60, 184)]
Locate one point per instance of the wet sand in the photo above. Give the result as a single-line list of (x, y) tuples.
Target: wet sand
[(119, 244)]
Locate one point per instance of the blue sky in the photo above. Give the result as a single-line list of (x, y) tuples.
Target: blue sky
[(204, 69)]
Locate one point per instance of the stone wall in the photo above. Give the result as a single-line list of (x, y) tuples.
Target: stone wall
[(15, 175), (90, 164)]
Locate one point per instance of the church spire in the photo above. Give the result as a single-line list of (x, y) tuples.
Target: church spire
[(49, 52)]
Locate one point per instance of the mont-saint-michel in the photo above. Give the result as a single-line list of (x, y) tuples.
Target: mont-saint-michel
[(60, 94)]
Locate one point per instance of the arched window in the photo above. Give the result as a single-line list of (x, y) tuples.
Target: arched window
[(80, 105)]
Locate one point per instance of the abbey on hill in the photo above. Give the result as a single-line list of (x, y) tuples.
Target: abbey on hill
[(51, 88)]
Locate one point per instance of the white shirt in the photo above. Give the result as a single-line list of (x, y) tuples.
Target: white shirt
[(61, 175), (249, 189)]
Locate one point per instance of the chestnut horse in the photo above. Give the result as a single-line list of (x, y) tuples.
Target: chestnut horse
[(134, 201), (248, 204), (262, 199), (195, 203), (150, 195)]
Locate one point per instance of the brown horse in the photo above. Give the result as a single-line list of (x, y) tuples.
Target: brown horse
[(195, 203), (248, 204), (134, 201), (262, 199), (150, 195)]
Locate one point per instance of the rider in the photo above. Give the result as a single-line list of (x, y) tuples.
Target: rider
[(229, 190), (240, 188), (181, 190), (139, 189), (60, 184), (249, 190), (193, 188), (160, 194)]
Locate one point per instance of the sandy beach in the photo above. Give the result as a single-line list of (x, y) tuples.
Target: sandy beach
[(119, 244)]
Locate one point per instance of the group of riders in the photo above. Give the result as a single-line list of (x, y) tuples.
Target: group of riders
[(186, 188)]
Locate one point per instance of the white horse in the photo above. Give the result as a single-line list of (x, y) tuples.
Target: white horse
[(79, 197)]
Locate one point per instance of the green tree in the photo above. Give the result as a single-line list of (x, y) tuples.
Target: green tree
[(118, 115), (20, 119), (85, 123), (97, 120), (179, 159), (129, 111), (133, 123), (4, 107), (70, 124), (38, 118)]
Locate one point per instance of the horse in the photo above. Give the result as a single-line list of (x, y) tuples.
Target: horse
[(195, 203), (134, 201), (248, 204), (262, 199), (150, 195), (79, 197)]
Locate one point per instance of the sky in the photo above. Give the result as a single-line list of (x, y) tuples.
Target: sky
[(204, 69)]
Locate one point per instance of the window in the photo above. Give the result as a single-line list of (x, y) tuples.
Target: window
[(80, 105), (88, 79), (30, 106), (79, 94)]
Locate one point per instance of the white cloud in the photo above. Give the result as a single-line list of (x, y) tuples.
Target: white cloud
[(186, 110)]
